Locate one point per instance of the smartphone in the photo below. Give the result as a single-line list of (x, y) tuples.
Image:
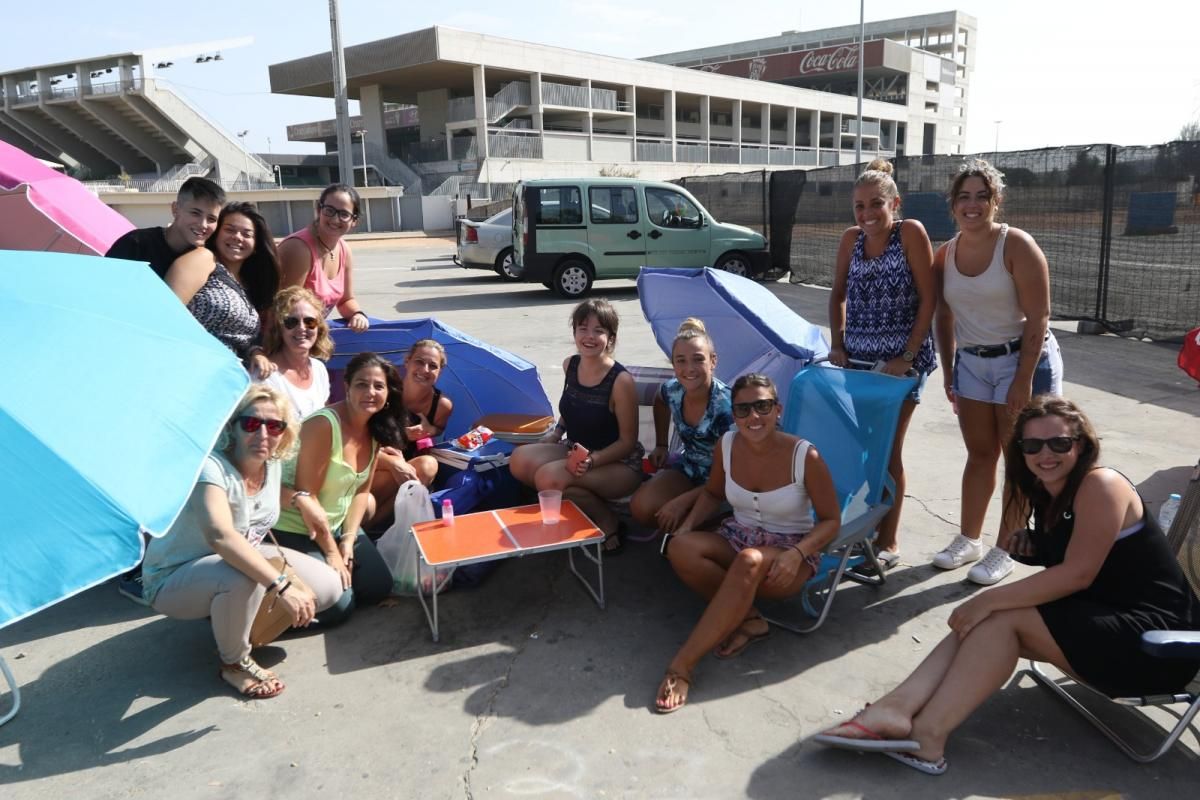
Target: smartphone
[(576, 455)]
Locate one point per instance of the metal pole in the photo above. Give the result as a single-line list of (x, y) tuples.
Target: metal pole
[(862, 34), (341, 105), (996, 146), (363, 137)]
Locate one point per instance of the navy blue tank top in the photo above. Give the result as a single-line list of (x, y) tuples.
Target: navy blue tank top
[(584, 409)]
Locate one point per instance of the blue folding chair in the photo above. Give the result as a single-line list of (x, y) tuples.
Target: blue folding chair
[(851, 416)]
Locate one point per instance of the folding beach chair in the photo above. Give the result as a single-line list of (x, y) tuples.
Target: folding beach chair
[(851, 417), (1184, 536), (14, 689)]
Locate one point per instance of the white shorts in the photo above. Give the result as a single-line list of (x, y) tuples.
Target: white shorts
[(988, 379)]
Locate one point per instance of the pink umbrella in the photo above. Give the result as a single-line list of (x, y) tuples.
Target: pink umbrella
[(46, 210)]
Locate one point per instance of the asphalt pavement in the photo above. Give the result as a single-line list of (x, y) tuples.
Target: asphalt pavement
[(535, 692)]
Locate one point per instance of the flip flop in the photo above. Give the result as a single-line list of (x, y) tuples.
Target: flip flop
[(919, 764), (871, 742), (886, 558), (672, 679), (748, 639)]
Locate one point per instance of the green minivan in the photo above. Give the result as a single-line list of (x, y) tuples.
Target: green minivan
[(569, 233)]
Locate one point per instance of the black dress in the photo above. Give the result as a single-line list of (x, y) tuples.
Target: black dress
[(1140, 587)]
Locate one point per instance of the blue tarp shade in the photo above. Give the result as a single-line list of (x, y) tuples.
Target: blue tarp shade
[(112, 397), (478, 377), (752, 330), (850, 415)]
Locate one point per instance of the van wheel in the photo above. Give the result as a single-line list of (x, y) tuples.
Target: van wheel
[(504, 265), (734, 263), (572, 279)]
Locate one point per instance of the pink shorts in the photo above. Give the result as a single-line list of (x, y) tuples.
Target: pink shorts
[(742, 536)]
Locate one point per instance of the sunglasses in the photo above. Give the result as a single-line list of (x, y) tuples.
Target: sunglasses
[(1058, 444), (251, 425), (761, 407), (340, 213), (309, 322)]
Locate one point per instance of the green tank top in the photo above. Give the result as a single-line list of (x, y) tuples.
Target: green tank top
[(341, 482)]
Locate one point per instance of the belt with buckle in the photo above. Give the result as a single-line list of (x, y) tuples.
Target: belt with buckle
[(993, 350)]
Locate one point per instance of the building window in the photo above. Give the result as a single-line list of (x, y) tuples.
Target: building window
[(931, 86)]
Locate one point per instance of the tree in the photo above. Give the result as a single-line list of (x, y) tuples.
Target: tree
[(1190, 132)]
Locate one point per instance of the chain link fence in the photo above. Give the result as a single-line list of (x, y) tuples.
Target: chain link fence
[(1120, 226)]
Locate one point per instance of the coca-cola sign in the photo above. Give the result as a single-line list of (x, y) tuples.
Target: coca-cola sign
[(802, 64)]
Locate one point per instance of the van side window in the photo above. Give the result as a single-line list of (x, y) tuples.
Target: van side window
[(669, 209), (560, 205), (613, 205)]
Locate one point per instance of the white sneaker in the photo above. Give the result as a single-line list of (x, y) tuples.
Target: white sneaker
[(994, 567), (959, 552)]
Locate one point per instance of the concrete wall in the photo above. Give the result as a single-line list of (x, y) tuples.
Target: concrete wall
[(564, 147)]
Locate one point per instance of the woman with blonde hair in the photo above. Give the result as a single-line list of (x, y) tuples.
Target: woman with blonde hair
[(297, 342), (213, 562), (997, 351), (881, 308), (698, 405)]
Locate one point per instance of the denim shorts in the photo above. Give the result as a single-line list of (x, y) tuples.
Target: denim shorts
[(987, 380)]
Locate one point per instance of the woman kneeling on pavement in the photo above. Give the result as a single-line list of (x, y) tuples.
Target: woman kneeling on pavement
[(212, 563), (1109, 577), (327, 484), (770, 547)]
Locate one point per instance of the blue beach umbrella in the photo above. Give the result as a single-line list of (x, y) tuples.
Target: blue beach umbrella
[(480, 378), (111, 397), (752, 329)]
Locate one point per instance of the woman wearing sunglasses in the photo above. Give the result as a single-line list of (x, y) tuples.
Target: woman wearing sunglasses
[(785, 512), (213, 563), (318, 258), (1109, 576), (297, 343), (326, 493), (228, 284)]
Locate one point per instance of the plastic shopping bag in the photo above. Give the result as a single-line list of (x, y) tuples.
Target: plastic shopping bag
[(398, 546)]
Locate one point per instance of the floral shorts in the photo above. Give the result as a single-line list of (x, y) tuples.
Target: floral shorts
[(742, 536)]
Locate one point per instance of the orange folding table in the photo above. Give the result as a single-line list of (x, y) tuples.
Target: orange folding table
[(503, 533)]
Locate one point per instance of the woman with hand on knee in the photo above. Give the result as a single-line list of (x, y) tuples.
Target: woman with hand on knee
[(593, 454), (777, 483), (697, 403)]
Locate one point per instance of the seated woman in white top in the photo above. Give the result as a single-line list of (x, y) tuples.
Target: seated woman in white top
[(297, 342), (212, 563), (769, 548)]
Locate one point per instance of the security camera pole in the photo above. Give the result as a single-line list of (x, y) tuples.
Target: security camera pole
[(341, 106)]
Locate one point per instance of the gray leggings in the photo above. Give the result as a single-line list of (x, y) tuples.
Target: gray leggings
[(209, 587)]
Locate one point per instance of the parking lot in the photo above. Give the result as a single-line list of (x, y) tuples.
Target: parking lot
[(535, 692)]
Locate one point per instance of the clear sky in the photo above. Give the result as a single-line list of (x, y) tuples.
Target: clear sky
[(1053, 72)]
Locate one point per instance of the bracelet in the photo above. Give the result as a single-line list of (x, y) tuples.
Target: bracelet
[(283, 588), (796, 547), (297, 495), (281, 579), (360, 311)]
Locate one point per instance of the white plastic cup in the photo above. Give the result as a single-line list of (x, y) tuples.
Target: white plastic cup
[(551, 502)]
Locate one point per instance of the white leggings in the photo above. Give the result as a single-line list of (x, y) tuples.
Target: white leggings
[(209, 587)]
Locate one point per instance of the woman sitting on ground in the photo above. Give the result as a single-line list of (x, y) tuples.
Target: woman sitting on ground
[(297, 342), (698, 404), (327, 484), (212, 563), (427, 410), (770, 547), (229, 283), (598, 411), (1109, 577)]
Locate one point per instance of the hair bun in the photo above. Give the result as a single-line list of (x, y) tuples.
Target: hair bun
[(691, 324), (881, 165)]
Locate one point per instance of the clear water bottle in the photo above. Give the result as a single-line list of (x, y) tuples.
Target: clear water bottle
[(447, 512), (1166, 514)]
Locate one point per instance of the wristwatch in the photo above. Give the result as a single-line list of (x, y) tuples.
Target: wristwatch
[(908, 356)]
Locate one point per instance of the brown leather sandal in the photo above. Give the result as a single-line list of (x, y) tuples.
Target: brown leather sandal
[(669, 687), (251, 681)]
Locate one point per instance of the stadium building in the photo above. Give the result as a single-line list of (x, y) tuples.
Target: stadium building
[(446, 111)]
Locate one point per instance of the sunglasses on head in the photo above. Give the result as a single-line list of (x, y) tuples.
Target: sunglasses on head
[(251, 424), (761, 407), (309, 322), (1058, 444), (340, 213)]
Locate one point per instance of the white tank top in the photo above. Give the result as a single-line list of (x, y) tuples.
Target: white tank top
[(986, 311), (783, 510)]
